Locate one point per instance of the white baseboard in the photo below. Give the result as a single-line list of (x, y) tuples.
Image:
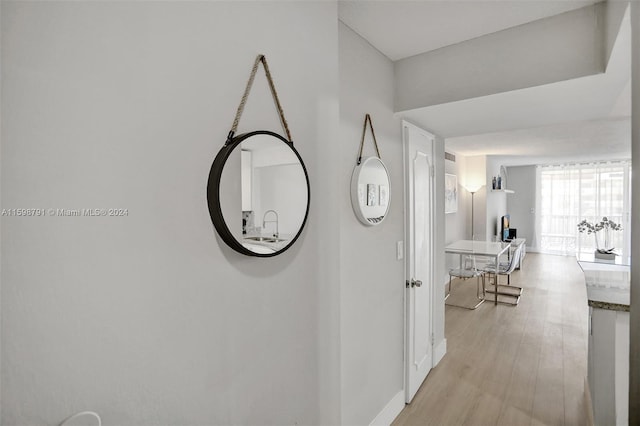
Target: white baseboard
[(439, 352), (390, 411)]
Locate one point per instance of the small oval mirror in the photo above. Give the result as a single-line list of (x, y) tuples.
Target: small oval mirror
[(258, 194), (370, 191)]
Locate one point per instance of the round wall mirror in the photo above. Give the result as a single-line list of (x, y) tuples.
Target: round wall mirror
[(370, 191), (258, 194)]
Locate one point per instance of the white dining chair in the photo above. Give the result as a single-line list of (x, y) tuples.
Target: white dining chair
[(466, 271), (504, 268)]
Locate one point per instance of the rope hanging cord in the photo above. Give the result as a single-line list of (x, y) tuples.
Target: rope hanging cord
[(283, 121), (367, 118)]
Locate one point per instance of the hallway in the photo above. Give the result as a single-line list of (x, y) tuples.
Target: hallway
[(523, 365)]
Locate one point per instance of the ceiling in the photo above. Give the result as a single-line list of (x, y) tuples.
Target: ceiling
[(603, 139), (400, 28), (579, 119)]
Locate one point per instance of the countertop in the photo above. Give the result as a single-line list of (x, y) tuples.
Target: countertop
[(264, 246), (608, 285)]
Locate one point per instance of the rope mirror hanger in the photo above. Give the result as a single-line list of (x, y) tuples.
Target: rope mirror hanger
[(260, 59), (367, 119)]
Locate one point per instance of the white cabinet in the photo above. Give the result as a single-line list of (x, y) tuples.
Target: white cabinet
[(246, 177), (608, 370), (608, 364)]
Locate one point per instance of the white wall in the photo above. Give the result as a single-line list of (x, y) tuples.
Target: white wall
[(476, 174), (457, 225), (522, 180), (1, 204), (281, 188), (613, 15), (150, 318), (372, 311), (488, 206), (496, 201), (634, 361), (372, 279)]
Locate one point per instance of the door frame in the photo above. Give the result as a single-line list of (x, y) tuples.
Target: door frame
[(432, 276)]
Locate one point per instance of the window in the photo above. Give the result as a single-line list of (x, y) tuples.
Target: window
[(567, 194)]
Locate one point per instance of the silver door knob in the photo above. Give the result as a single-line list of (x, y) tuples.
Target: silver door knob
[(416, 283)]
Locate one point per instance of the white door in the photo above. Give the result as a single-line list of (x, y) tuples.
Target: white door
[(419, 172)]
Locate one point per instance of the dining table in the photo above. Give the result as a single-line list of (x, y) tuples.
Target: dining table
[(488, 249)]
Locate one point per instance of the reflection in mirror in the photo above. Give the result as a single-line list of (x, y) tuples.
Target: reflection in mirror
[(370, 191), (264, 194)]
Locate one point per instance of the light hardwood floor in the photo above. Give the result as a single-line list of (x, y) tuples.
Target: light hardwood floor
[(513, 365)]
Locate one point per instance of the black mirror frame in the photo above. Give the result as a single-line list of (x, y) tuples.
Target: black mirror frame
[(213, 194)]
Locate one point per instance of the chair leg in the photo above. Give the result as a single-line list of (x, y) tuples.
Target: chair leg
[(478, 287), (501, 289), (482, 276), (480, 299)]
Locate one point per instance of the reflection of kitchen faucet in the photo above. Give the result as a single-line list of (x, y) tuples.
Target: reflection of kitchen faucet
[(264, 221)]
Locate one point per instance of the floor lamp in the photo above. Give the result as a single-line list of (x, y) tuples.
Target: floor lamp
[(472, 188)]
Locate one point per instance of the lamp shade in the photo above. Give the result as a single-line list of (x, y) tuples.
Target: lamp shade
[(472, 186)]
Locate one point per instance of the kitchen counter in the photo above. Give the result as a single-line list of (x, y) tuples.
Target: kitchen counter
[(608, 283), (608, 295)]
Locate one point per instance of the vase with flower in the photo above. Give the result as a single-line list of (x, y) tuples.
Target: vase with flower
[(604, 246)]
